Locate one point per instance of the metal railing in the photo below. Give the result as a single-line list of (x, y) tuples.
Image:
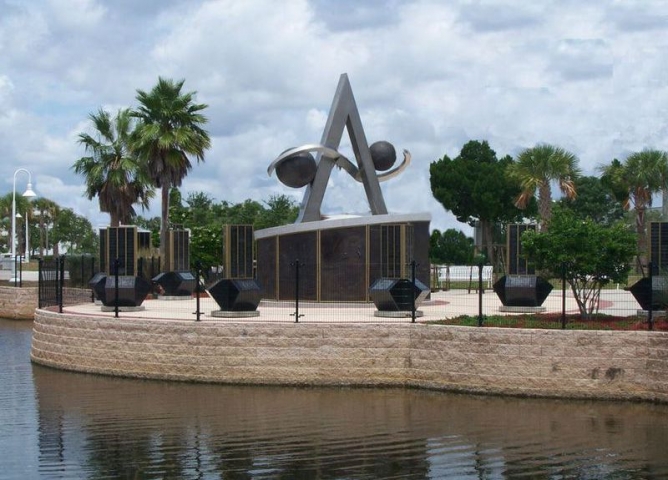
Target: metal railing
[(295, 300)]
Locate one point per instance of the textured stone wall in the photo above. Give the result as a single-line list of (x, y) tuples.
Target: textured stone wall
[(18, 303), (579, 364)]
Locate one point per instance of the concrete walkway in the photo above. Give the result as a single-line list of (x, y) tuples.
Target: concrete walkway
[(443, 304)]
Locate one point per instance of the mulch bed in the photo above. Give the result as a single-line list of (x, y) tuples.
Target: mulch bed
[(554, 321)]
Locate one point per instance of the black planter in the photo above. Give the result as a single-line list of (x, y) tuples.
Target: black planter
[(236, 295), (176, 284), (131, 291), (522, 290), (97, 283), (657, 289), (397, 294)]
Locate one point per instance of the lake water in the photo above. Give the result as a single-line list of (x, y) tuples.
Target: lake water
[(56, 424)]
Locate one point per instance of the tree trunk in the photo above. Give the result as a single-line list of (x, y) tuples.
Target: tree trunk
[(487, 239), (640, 230), (545, 205), (164, 224)]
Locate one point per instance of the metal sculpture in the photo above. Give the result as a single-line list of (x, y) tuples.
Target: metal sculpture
[(297, 168)]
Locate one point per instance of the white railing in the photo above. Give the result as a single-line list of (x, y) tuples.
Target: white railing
[(465, 273)]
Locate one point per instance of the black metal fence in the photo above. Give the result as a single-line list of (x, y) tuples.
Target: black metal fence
[(64, 283)]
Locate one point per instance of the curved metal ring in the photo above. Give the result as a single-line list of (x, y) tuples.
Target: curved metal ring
[(340, 161), (311, 147)]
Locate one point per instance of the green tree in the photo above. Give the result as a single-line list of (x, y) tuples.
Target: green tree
[(634, 182), (594, 200), (278, 210), (6, 220), (591, 254), (113, 173), (168, 134), (46, 212), (74, 232), (451, 247), (536, 168), (474, 186)]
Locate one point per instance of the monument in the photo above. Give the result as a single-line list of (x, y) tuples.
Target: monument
[(340, 258)]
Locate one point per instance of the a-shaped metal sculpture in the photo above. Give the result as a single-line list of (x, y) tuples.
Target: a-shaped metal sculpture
[(297, 167)]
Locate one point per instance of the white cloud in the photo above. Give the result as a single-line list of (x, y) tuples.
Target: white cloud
[(427, 76)]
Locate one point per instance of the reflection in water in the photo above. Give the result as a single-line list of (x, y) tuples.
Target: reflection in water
[(73, 425), (129, 428)]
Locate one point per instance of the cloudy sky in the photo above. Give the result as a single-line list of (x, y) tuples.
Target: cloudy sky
[(427, 75)]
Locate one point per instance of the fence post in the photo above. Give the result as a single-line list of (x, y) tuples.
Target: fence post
[(198, 273), (563, 295), (296, 314), (40, 282), (16, 271), (480, 292), (60, 285), (117, 264), (412, 291), (92, 273), (650, 318), (20, 271)]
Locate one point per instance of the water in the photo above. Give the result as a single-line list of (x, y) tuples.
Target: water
[(57, 424)]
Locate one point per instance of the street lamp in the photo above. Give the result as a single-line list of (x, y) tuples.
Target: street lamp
[(28, 193)]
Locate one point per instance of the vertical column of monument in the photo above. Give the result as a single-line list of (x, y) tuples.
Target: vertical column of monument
[(238, 252), (238, 292), (658, 247), (119, 243), (517, 264), (104, 260), (179, 250)]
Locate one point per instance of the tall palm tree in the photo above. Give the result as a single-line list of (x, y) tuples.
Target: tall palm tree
[(113, 172), (46, 211), (168, 134), (634, 182), (536, 168)]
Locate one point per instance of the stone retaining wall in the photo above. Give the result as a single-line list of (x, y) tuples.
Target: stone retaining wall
[(18, 303), (556, 363)]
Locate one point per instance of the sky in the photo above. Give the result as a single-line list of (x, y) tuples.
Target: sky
[(427, 75)]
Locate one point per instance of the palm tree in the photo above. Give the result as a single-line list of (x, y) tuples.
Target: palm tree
[(46, 211), (634, 182), (113, 172), (169, 132), (536, 168)]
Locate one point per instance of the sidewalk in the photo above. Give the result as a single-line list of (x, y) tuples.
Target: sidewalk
[(443, 304)]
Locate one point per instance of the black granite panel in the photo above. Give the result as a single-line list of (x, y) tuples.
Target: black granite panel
[(302, 248), (266, 266), (343, 267)]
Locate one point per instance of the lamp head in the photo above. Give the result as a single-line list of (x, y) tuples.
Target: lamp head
[(29, 191)]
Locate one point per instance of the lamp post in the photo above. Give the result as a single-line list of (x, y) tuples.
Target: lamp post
[(28, 193), (27, 239)]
